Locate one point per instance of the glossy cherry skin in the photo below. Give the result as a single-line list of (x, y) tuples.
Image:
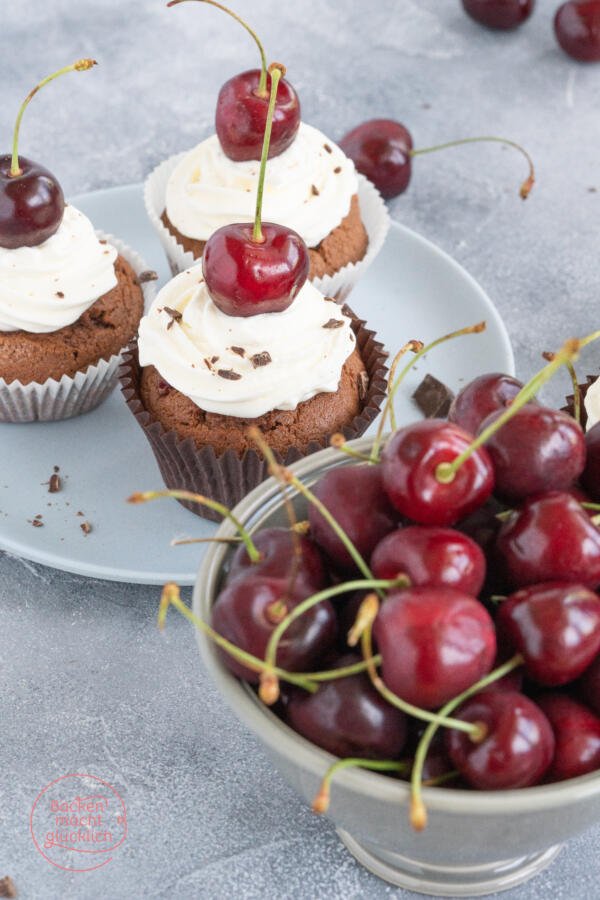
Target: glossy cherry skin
[(577, 29), (550, 538), (589, 686), (247, 278), (502, 15), (517, 750), (556, 627), (435, 642), (241, 117), (576, 734), (277, 547), (347, 717), (538, 449), (241, 614), (380, 150), (591, 474), (481, 397), (409, 464), (31, 205), (354, 495), (431, 556)]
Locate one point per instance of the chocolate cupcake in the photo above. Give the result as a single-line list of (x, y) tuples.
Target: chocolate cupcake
[(198, 378)]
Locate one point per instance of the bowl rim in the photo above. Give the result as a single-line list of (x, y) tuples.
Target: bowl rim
[(280, 738)]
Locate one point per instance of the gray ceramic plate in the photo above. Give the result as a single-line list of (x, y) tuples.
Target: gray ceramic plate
[(413, 290)]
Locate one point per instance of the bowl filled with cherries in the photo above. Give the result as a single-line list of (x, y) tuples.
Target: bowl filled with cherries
[(410, 625)]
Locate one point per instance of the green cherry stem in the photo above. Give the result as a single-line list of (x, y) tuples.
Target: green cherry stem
[(276, 71), (576, 392), (262, 84), (81, 65), (145, 496), (527, 185), (343, 672), (388, 409), (338, 442), (321, 802), (418, 812)]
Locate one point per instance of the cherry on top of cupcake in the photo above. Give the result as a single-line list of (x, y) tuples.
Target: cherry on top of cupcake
[(32, 203), (250, 269), (243, 105)]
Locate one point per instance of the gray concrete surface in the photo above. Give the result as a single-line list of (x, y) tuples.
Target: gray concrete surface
[(86, 682)]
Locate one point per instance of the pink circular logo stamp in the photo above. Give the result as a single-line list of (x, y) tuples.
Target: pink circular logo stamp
[(77, 822)]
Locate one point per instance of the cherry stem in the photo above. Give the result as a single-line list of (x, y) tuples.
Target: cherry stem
[(576, 391), (446, 471), (527, 185), (394, 385), (343, 672), (182, 542), (321, 802), (262, 84), (442, 779), (276, 71), (418, 812), (82, 65), (590, 505), (338, 441), (388, 409), (171, 596), (145, 496)]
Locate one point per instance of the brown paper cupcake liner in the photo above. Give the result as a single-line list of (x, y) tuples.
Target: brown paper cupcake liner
[(230, 476), (583, 389)]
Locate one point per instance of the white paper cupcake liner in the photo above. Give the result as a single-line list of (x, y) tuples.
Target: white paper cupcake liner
[(373, 212), (71, 396)]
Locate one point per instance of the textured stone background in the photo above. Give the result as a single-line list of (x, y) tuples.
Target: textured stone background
[(86, 683)]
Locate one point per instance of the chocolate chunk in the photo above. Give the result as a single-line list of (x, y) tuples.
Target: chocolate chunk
[(60, 294), (7, 887), (86, 528), (214, 359), (334, 323), (208, 363), (239, 350), (261, 359), (55, 484), (328, 148), (315, 190), (337, 170), (362, 380), (433, 398), (148, 275), (230, 374), (175, 315)]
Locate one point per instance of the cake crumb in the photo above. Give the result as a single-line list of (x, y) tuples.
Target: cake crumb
[(86, 528), (7, 887)]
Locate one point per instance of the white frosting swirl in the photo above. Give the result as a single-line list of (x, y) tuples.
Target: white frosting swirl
[(307, 187), (304, 357), (592, 404), (50, 286)]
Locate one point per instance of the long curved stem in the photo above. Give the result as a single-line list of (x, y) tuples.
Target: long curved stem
[(276, 71), (321, 802)]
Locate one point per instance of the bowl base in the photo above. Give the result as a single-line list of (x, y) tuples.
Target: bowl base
[(447, 881)]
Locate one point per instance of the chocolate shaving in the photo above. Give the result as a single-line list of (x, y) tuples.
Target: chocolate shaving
[(37, 523), (56, 468), (315, 190), (55, 484), (208, 364), (214, 359), (148, 275), (328, 148), (7, 887), (175, 315), (239, 350), (337, 170), (261, 359), (60, 294), (334, 323), (230, 374), (362, 381), (433, 398), (86, 528)]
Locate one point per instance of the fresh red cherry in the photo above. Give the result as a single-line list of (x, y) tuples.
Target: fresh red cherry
[(348, 717), (576, 734), (434, 642), (278, 548), (538, 449), (551, 538), (591, 474), (355, 497), (381, 151), (517, 749), (589, 686), (246, 613), (31, 199), (411, 463), (260, 268), (577, 29), (431, 556), (481, 397), (556, 628), (499, 14)]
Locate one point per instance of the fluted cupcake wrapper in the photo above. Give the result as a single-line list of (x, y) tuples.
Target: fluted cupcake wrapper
[(230, 476), (373, 212), (583, 389), (67, 397)]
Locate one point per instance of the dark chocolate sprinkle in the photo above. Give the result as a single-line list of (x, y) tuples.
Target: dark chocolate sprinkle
[(54, 485), (362, 380), (175, 315), (60, 294), (239, 350), (337, 170), (208, 363), (230, 374), (261, 359), (328, 148), (214, 359), (333, 323), (315, 190)]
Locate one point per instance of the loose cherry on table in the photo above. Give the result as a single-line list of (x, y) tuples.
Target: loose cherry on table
[(243, 105), (502, 15), (31, 199), (550, 538), (347, 717), (354, 495), (414, 630), (481, 397), (517, 749), (260, 268), (577, 736), (577, 29), (555, 627), (295, 558), (431, 556)]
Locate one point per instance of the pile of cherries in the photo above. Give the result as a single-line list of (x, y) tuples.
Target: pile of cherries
[(464, 559)]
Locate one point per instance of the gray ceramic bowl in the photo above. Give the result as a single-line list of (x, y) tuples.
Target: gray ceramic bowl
[(476, 842)]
